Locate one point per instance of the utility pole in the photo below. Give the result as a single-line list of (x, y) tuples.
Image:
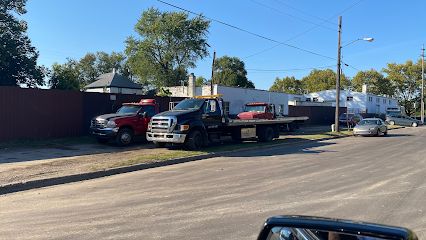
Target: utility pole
[(339, 48), (422, 110), (211, 80)]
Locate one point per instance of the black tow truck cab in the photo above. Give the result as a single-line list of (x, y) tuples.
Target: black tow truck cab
[(195, 122)]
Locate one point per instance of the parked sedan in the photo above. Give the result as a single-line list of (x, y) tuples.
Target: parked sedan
[(402, 120), (371, 127)]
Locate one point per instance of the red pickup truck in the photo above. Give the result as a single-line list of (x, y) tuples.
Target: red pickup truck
[(130, 121), (258, 110)]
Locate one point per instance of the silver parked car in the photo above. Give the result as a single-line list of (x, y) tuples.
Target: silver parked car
[(402, 120), (371, 127)]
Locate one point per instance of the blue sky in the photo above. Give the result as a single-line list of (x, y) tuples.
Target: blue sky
[(63, 28)]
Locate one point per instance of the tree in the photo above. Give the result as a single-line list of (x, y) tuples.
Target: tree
[(164, 92), (200, 81), (87, 68), (288, 85), (106, 62), (65, 76), (171, 43), (319, 80), (94, 64), (377, 83), (18, 58), (231, 71), (406, 80)]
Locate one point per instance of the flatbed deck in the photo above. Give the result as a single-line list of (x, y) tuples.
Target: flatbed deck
[(280, 120)]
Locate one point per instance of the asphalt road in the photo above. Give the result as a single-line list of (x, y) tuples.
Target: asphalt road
[(376, 179)]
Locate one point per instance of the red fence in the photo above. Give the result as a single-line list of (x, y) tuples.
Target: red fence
[(40, 113)]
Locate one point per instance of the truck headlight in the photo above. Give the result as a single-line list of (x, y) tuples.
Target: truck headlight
[(111, 124), (149, 127), (371, 129), (184, 128)]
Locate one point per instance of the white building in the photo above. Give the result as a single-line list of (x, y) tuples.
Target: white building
[(356, 102), (114, 83), (234, 97)]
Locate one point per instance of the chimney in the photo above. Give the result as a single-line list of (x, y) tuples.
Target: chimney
[(364, 88), (191, 85)]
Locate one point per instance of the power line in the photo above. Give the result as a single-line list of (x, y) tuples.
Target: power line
[(290, 15), (249, 32), (289, 69), (305, 13), (304, 32)]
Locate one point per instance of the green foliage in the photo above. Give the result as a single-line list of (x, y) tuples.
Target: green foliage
[(406, 80), (320, 80), (65, 76), (94, 64), (18, 58), (86, 70), (230, 71), (163, 92), (288, 85), (200, 81), (377, 83), (106, 62), (171, 43)]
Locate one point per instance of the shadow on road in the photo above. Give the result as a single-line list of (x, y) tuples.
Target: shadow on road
[(289, 146), (399, 135)]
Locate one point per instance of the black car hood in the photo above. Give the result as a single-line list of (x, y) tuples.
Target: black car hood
[(113, 116), (177, 113)]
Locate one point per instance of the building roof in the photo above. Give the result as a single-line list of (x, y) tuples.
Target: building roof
[(113, 79)]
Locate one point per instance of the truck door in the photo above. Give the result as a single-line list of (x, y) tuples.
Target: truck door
[(212, 117), (142, 125)]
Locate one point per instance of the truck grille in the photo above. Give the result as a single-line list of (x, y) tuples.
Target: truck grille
[(163, 124), (98, 123)]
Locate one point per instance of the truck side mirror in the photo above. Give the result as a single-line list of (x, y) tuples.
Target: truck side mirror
[(142, 114)]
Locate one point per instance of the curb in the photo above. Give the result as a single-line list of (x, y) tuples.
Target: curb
[(40, 183)]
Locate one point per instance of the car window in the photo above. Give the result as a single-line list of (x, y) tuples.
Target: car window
[(211, 106), (150, 110)]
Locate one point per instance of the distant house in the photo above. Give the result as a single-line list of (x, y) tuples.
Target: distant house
[(114, 83), (356, 102)]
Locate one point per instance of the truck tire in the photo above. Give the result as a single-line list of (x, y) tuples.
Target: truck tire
[(266, 134), (102, 140), (159, 144), (124, 137), (392, 123), (194, 140)]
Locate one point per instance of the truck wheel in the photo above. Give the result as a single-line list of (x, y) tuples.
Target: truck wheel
[(414, 124), (392, 123), (266, 135), (194, 140), (160, 144), (124, 137), (102, 140)]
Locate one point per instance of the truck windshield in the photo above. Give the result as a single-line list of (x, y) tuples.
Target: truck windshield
[(249, 108), (189, 104), (128, 109)]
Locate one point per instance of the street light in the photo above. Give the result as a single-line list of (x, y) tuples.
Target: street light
[(367, 39), (339, 60)]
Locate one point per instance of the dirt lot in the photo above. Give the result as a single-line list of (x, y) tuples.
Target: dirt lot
[(44, 160)]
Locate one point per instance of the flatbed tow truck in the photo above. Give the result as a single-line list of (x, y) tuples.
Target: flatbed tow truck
[(195, 122)]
